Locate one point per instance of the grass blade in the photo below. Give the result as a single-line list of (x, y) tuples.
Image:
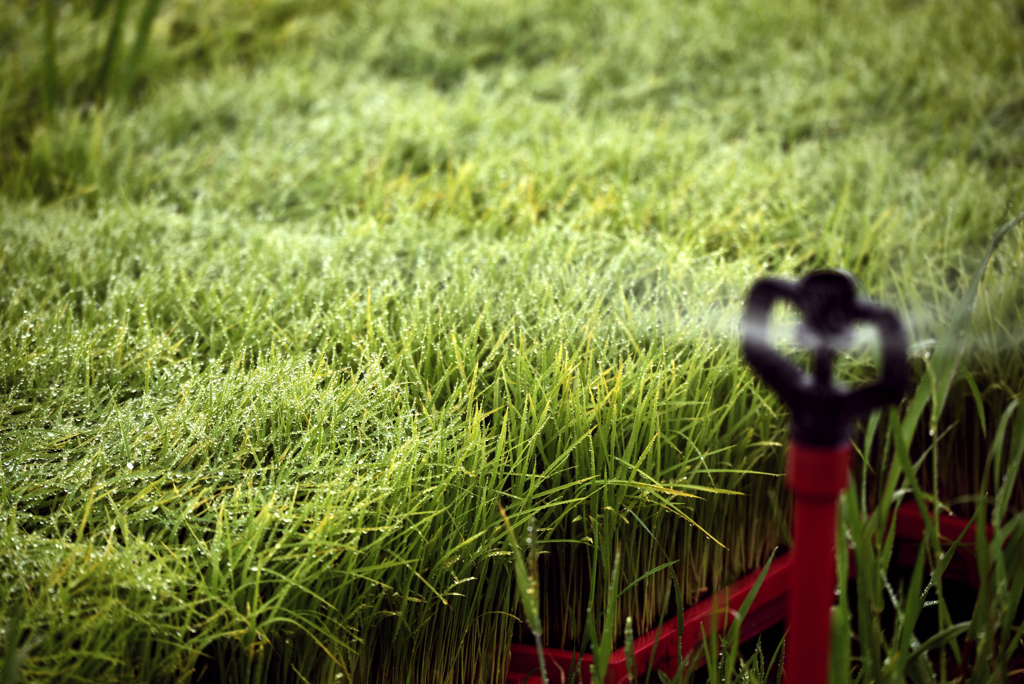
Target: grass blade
[(142, 32), (50, 85), (111, 51)]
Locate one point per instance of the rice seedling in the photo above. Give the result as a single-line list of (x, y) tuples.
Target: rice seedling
[(892, 651), (283, 325), (884, 622)]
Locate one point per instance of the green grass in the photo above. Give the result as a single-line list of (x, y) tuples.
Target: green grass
[(305, 291), (877, 635)]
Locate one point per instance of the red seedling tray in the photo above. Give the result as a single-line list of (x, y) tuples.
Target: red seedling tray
[(659, 649)]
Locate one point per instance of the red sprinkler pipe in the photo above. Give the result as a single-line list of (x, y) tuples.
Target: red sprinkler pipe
[(816, 476), (658, 649), (819, 450)]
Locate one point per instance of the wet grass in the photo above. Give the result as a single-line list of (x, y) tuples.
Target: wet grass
[(892, 623), (288, 313)]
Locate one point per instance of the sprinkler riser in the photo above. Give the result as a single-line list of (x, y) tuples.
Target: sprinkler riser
[(816, 476), (819, 452)]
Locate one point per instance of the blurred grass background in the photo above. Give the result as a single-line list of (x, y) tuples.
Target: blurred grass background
[(940, 76), (293, 295)]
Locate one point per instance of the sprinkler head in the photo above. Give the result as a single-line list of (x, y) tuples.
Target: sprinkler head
[(822, 411), (827, 302)]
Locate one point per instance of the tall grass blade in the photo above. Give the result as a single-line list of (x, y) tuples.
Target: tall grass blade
[(911, 608), (50, 85), (935, 385), (603, 648), (631, 672), (529, 591), (1013, 466), (111, 51), (142, 32), (732, 641), (840, 658), (14, 655)]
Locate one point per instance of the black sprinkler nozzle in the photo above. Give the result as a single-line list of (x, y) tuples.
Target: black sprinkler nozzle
[(823, 411)]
